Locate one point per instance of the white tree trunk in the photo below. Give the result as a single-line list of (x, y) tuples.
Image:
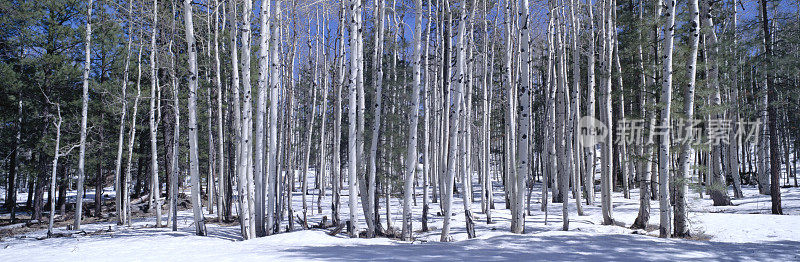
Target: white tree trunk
[(590, 105), (646, 150), (323, 57), (550, 127), (411, 156), (360, 135), (175, 172), (486, 182), (686, 153), (126, 206), (510, 126), (377, 69), (210, 122), (259, 174), (666, 99), (246, 158), (523, 137), (733, 149), (194, 163), (87, 65), (309, 131), (293, 137), (427, 107), (608, 163), (155, 186), (355, 8), (121, 138), (274, 99), (56, 155), (244, 217), (561, 123), (457, 98), (221, 138), (337, 123), (576, 108), (762, 149), (467, 122)]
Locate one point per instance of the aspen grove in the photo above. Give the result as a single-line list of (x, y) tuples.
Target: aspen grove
[(414, 120)]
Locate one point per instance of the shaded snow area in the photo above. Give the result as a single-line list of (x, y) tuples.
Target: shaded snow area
[(743, 232)]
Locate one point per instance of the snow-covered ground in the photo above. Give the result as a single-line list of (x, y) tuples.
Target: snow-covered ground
[(745, 231)]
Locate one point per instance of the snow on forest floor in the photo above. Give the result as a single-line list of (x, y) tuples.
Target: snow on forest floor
[(745, 231)]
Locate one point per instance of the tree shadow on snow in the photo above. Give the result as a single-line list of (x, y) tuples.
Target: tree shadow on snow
[(557, 248), (224, 233)]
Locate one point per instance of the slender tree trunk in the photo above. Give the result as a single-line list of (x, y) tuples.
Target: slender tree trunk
[(510, 119), (220, 136), (175, 168), (274, 100), (469, 121), (84, 114), (244, 218), (682, 178), (486, 181), (523, 89), (360, 135), (576, 107), (733, 147), (121, 139), (550, 129), (194, 169), (664, 146), (590, 104), (56, 155), (377, 68), (464, 149), (444, 132), (623, 148), (568, 119), (337, 123), (656, 57), (306, 159), (644, 151), (427, 107), (322, 56), (126, 206), (719, 189), (562, 106), (774, 162), (355, 8), (608, 164), (263, 82), (246, 158), (762, 150), (291, 158), (210, 114), (457, 99), (155, 187), (411, 156)]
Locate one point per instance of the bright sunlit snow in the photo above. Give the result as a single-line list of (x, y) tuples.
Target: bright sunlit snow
[(745, 231)]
